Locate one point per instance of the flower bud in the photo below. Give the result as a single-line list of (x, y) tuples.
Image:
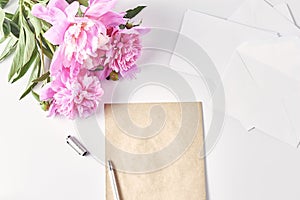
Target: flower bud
[(114, 76), (129, 25), (45, 105)]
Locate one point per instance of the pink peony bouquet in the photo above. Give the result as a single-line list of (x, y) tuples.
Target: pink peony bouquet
[(87, 42)]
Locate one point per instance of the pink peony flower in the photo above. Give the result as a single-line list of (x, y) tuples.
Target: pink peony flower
[(83, 43), (90, 46), (82, 39), (61, 15), (124, 48), (101, 10), (73, 97)]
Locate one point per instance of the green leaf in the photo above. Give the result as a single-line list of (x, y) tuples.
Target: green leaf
[(28, 90), (99, 68), (2, 17), (15, 29), (122, 26), (133, 12), (45, 25), (22, 71), (83, 2), (30, 44), (24, 49), (16, 17), (48, 46), (47, 53), (9, 15), (3, 3), (18, 57), (36, 23), (34, 74), (42, 78), (6, 28), (35, 95), (9, 49)]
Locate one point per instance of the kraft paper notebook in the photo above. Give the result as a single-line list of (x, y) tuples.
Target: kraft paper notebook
[(153, 129)]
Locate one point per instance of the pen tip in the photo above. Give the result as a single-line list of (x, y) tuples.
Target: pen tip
[(110, 164)]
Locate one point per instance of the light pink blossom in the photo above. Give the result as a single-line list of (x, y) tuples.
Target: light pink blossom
[(82, 42), (90, 45), (81, 38), (58, 13), (124, 48), (73, 97)]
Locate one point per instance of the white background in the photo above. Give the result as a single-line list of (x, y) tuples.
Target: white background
[(36, 163)]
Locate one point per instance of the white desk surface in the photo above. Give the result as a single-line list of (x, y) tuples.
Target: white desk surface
[(37, 164)]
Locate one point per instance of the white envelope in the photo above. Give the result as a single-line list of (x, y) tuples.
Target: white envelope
[(281, 54), (261, 15), (285, 11), (274, 65), (218, 37), (253, 106), (291, 105), (250, 98), (274, 82)]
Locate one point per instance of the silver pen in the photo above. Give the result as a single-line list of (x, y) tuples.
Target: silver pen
[(76, 145), (113, 181)]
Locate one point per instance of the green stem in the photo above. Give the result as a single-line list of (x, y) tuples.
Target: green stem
[(49, 44), (51, 47), (43, 57), (21, 2)]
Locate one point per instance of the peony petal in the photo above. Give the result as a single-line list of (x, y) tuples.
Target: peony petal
[(47, 93), (57, 15), (40, 11), (56, 33), (97, 1), (83, 8), (138, 30), (102, 75), (99, 7), (56, 63), (52, 110), (112, 19), (57, 84), (72, 9), (74, 69), (60, 4), (51, 15)]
